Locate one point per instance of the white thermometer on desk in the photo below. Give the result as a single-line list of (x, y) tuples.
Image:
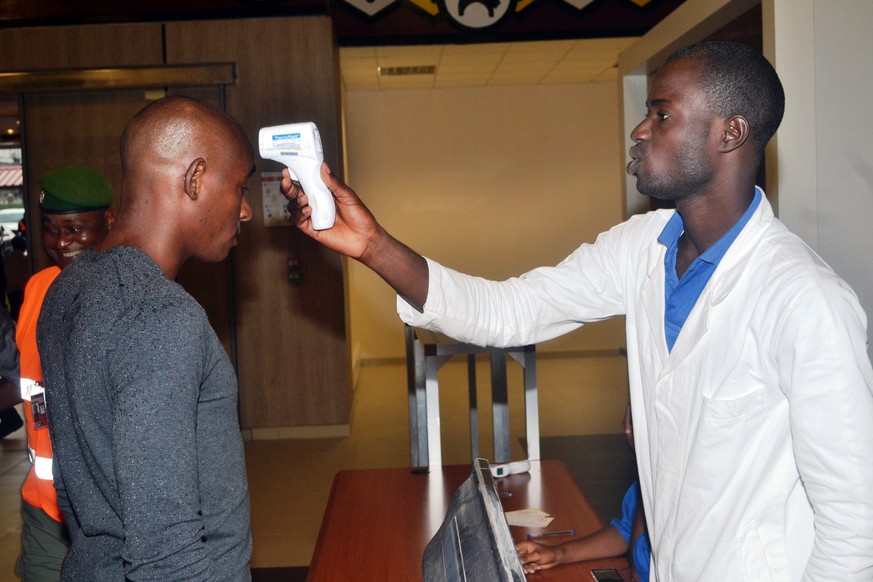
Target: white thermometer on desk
[(298, 147), (512, 468)]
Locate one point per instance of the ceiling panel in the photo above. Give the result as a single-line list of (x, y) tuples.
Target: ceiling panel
[(482, 65)]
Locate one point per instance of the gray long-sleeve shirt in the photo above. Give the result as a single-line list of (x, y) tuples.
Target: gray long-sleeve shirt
[(142, 405)]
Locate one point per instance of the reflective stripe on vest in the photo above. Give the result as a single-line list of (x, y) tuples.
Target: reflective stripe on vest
[(42, 466), (30, 387)]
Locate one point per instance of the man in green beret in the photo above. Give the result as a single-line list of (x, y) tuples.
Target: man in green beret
[(76, 212), (76, 208)]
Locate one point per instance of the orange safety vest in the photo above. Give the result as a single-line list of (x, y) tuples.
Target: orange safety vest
[(38, 488)]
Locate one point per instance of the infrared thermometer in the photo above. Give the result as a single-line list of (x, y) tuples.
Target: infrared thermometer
[(513, 468), (298, 147)]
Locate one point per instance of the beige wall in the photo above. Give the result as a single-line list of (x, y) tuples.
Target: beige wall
[(491, 181)]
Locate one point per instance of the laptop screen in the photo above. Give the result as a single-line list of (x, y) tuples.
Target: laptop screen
[(473, 543)]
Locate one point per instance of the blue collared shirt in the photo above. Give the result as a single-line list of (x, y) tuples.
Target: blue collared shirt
[(681, 294)]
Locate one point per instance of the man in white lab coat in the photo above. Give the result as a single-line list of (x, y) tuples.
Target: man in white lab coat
[(750, 383)]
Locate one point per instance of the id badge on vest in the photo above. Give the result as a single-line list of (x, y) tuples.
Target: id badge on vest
[(37, 409)]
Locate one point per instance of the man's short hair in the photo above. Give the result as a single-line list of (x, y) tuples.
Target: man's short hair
[(738, 80)]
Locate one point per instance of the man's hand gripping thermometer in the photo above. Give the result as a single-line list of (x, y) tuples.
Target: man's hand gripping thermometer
[(298, 147)]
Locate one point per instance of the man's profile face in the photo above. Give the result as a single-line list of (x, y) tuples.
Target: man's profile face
[(66, 235), (673, 155), (224, 208)]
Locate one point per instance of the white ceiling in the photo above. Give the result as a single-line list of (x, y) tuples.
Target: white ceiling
[(480, 65)]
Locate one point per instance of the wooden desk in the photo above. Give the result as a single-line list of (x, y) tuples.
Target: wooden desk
[(378, 521)]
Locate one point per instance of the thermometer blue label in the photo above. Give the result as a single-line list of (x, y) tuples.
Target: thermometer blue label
[(287, 140)]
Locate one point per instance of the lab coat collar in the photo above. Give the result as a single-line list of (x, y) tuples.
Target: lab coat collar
[(724, 280), (732, 266)]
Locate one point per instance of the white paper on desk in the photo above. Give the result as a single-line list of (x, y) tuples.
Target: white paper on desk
[(529, 518)]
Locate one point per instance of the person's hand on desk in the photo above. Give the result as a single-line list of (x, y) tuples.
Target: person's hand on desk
[(604, 543), (536, 557)]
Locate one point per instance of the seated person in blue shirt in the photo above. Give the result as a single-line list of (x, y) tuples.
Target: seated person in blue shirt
[(622, 535)]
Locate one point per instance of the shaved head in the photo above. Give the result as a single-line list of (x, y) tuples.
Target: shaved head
[(165, 136), (185, 169)]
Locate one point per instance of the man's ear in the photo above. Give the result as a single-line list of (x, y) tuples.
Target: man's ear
[(194, 178), (736, 132), (109, 218)]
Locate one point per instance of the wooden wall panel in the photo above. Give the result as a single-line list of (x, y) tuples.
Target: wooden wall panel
[(61, 129), (84, 128), (117, 45), (293, 359)]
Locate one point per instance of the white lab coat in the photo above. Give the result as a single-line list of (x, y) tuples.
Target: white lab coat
[(754, 436)]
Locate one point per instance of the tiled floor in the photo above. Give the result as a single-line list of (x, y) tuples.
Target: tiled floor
[(290, 480), (13, 468)]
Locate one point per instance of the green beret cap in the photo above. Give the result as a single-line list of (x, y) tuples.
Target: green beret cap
[(74, 189)]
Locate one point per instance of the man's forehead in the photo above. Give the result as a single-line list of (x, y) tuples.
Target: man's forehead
[(674, 82), (684, 69)]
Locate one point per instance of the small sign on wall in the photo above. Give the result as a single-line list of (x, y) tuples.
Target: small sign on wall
[(275, 205)]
